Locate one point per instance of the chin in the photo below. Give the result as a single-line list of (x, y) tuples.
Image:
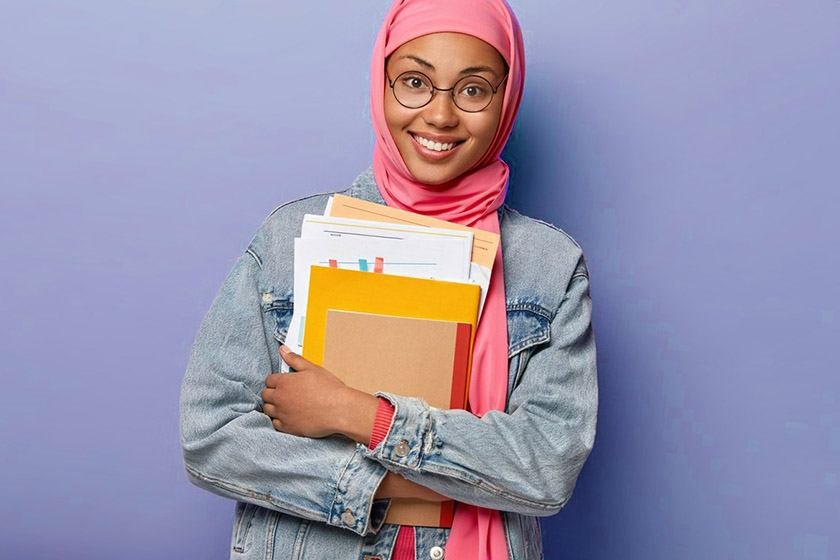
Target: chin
[(433, 181), (433, 177)]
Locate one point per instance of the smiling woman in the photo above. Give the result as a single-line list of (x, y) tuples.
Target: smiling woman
[(314, 463)]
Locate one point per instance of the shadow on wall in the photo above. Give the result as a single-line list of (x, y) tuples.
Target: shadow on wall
[(539, 155), (548, 182), (567, 168)]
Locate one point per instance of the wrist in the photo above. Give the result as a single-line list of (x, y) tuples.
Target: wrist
[(395, 486), (356, 411)]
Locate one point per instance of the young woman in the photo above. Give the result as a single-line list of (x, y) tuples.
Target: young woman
[(313, 463)]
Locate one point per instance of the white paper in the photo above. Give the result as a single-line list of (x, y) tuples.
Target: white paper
[(481, 276), (329, 226)]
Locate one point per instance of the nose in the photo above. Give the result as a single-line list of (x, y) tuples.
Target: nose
[(441, 111)]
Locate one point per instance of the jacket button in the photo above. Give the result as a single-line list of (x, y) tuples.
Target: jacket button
[(436, 553), (348, 518), (401, 449)]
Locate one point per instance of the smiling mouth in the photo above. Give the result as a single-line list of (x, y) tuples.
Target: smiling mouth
[(435, 146)]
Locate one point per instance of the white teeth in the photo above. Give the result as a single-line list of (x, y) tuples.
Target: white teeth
[(436, 146)]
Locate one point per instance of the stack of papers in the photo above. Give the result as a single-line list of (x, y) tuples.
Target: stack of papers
[(389, 300)]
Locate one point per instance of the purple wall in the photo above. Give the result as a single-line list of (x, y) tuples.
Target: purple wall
[(691, 148)]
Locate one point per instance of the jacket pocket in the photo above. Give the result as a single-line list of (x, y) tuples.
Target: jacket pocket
[(256, 533), (278, 311), (524, 536), (529, 325), (243, 519)]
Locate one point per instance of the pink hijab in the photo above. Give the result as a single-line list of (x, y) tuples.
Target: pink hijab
[(470, 199)]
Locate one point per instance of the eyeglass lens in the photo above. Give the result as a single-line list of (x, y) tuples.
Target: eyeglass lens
[(470, 93)]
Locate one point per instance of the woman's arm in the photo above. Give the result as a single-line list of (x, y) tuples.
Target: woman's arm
[(314, 403), (527, 461), (230, 446)]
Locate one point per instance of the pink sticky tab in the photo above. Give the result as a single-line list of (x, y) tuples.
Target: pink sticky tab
[(333, 263), (379, 262)]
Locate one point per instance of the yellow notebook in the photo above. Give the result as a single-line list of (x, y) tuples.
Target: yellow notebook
[(384, 294)]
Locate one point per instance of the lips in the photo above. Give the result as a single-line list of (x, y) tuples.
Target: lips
[(426, 150), (436, 143), (432, 149)]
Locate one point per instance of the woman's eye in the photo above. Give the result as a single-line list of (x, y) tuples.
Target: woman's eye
[(414, 82), (473, 91)]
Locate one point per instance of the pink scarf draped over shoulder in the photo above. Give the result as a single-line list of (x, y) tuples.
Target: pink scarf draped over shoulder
[(471, 199)]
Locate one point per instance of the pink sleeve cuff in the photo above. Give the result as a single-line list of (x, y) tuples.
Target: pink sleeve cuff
[(381, 422)]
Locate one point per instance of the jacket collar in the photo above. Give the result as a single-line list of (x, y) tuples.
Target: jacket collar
[(364, 187)]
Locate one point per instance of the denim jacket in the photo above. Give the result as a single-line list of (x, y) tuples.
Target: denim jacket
[(302, 498)]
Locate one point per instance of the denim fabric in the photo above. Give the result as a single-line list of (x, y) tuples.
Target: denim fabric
[(313, 498)]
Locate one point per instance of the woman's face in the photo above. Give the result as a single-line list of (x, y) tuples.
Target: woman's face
[(445, 58)]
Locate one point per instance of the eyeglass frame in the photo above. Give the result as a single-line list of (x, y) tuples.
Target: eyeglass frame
[(451, 90)]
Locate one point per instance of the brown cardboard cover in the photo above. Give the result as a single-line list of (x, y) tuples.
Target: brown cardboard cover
[(406, 356)]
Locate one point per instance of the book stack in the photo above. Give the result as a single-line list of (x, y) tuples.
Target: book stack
[(389, 300)]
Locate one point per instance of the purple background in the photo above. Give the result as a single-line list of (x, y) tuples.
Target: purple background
[(691, 148)]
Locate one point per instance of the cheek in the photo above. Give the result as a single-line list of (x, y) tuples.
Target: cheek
[(496, 119), (484, 130), (393, 112)]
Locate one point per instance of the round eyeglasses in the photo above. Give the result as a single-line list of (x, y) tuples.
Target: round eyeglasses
[(471, 94)]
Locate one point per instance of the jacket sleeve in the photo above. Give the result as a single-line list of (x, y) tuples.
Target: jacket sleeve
[(229, 445), (526, 461)]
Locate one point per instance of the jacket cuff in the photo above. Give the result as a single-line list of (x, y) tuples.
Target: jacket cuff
[(353, 506), (381, 422), (410, 435)]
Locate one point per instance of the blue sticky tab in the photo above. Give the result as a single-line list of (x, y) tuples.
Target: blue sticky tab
[(363, 265)]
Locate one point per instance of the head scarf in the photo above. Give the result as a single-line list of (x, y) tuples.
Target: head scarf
[(471, 199)]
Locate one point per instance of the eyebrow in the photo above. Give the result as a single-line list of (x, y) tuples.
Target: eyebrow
[(464, 72)]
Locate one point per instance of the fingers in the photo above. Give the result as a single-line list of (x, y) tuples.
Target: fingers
[(269, 409), (295, 361), (267, 394)]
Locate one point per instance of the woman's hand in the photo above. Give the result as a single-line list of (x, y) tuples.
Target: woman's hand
[(312, 402)]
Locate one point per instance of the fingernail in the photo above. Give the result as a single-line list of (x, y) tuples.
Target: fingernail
[(284, 349)]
